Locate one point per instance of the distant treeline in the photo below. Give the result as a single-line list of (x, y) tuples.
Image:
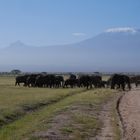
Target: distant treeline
[(18, 72)]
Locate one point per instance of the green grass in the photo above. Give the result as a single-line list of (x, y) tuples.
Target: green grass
[(36, 121), (13, 100)]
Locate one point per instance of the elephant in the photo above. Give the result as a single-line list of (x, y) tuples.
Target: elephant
[(120, 81), (21, 79), (135, 80)]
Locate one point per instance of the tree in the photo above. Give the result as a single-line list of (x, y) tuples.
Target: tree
[(15, 71)]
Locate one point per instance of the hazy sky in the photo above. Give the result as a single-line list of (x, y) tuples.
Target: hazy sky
[(49, 22)]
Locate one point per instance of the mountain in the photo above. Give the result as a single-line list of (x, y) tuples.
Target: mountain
[(114, 50)]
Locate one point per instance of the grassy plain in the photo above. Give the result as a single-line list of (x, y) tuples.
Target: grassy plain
[(27, 112)]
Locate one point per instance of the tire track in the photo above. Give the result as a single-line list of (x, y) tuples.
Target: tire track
[(130, 115), (107, 131), (121, 124)]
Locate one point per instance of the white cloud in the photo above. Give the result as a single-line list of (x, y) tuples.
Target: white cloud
[(121, 29), (79, 34)]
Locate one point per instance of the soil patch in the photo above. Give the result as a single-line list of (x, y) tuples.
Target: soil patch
[(130, 112), (82, 121), (77, 122)]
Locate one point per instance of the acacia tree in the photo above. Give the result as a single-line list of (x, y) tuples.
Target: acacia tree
[(15, 71)]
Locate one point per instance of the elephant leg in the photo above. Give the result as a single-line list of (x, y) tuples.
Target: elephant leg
[(123, 86)]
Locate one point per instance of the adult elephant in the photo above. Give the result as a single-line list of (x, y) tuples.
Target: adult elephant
[(135, 80), (72, 76), (120, 81), (50, 80), (70, 82), (40, 81), (96, 80), (31, 80), (85, 81), (21, 79), (59, 81)]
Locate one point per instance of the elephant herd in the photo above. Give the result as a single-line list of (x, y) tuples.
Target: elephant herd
[(56, 81), (87, 81), (39, 80)]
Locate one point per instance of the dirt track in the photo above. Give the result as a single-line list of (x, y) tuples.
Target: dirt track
[(130, 113), (107, 129)]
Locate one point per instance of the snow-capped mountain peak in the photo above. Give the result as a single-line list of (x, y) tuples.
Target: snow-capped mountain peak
[(122, 30)]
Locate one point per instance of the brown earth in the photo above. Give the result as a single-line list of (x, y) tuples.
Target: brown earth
[(107, 132), (130, 113), (63, 127)]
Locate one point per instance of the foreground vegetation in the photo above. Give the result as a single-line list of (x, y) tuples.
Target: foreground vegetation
[(29, 113), (16, 101)]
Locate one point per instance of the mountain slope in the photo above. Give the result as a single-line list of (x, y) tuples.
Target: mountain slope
[(113, 50)]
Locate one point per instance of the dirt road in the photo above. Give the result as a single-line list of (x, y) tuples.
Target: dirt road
[(130, 113)]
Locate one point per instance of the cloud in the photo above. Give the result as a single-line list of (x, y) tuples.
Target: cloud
[(121, 29), (79, 34)]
